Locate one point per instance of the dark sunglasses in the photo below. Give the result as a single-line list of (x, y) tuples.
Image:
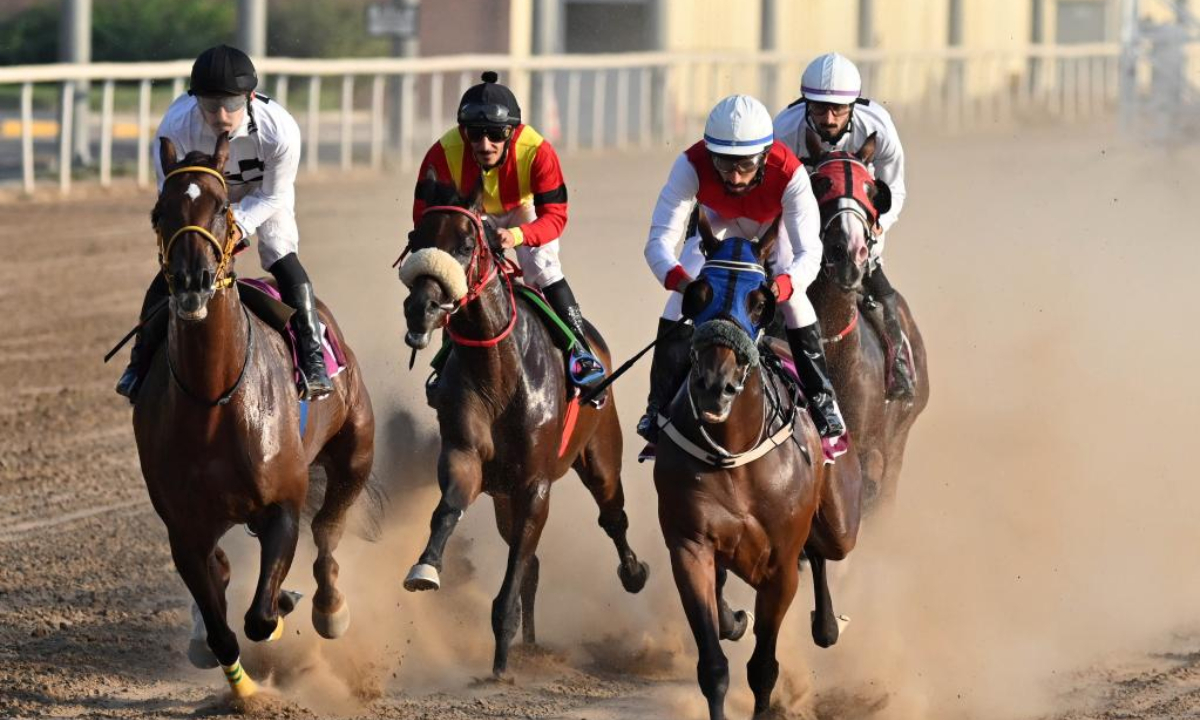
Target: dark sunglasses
[(495, 134), (213, 103), (742, 164)]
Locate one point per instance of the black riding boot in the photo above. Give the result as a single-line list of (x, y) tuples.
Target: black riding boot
[(805, 344), (146, 341), (668, 371), (297, 291), (585, 368), (885, 316)]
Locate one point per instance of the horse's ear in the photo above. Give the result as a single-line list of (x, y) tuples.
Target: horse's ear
[(696, 297), (812, 143), (166, 155), (883, 197), (766, 243), (866, 153), (708, 241), (221, 152)]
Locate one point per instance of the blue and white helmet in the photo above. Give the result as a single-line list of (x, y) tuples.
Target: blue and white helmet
[(739, 125)]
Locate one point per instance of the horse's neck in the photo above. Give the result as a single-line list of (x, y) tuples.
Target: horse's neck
[(209, 354), (484, 319), (742, 430), (835, 308)]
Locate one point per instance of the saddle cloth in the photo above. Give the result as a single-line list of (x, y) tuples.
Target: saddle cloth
[(276, 315)]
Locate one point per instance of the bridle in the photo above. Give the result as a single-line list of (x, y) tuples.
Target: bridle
[(221, 279), (842, 206), (485, 266)]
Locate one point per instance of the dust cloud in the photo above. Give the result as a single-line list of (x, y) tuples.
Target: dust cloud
[(1044, 519)]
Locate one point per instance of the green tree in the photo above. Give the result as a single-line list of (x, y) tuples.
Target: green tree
[(130, 30), (322, 28)]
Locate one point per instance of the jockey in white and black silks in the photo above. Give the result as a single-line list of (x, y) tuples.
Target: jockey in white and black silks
[(742, 180), (264, 156), (831, 105)]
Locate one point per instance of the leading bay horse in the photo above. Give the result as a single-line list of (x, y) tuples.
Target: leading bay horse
[(856, 351), (743, 487), (503, 409), (218, 428)]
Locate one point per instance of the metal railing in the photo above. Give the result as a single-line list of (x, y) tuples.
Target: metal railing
[(374, 111)]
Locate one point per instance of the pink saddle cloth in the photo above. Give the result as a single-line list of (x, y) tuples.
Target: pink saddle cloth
[(335, 356), (832, 447)]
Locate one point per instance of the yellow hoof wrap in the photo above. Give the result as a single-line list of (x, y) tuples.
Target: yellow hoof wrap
[(239, 681), (278, 633)]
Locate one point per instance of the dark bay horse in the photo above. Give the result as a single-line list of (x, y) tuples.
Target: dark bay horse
[(857, 354), (742, 486), (218, 428), (502, 407)]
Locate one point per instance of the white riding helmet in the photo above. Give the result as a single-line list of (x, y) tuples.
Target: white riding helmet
[(739, 125), (831, 78)]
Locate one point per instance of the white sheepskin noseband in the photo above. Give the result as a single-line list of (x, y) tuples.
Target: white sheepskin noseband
[(439, 265)]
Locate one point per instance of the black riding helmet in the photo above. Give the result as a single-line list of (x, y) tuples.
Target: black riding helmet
[(223, 70), (489, 104)]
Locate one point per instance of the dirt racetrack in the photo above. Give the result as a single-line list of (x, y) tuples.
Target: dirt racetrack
[(1038, 563)]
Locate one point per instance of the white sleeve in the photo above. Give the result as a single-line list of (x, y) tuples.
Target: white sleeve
[(669, 222), (889, 167), (801, 224), (278, 188)]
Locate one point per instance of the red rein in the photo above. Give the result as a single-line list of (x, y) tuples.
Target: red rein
[(479, 256)]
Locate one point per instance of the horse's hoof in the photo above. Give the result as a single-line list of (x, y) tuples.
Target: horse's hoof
[(332, 625), (201, 655), (277, 632), (826, 636), (742, 621), (288, 599), (422, 577), (635, 581)]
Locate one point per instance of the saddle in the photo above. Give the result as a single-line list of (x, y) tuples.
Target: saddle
[(263, 300)]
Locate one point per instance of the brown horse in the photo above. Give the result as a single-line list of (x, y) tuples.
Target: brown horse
[(856, 352), (502, 406), (742, 486), (218, 428)]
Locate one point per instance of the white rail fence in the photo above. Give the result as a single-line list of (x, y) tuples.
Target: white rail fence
[(372, 112)]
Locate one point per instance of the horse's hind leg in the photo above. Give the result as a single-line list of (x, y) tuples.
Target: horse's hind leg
[(771, 605), (460, 476), (531, 508), (599, 466), (529, 585), (732, 624), (350, 455), (278, 529), (695, 577), (833, 535), (193, 559)]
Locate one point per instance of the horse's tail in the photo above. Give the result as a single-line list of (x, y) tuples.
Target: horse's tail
[(370, 508)]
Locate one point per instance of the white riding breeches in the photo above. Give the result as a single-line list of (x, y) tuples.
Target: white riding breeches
[(540, 264), (797, 310), (277, 236)]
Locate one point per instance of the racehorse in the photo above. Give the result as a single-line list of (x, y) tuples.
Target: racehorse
[(218, 427), (743, 486), (504, 409), (856, 351)]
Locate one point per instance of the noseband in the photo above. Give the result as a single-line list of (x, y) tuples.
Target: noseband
[(224, 252)]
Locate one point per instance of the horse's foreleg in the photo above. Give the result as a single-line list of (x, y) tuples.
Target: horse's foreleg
[(193, 561), (826, 627), (695, 577), (504, 523), (599, 466), (531, 508), (198, 652), (278, 530), (347, 470), (460, 476), (732, 624), (771, 605)]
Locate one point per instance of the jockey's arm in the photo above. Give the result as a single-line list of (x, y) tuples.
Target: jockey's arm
[(278, 187), (549, 200), (889, 167), (669, 223), (800, 226)]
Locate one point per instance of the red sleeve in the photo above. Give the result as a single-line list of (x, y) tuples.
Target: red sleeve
[(435, 160), (676, 276), (549, 198)]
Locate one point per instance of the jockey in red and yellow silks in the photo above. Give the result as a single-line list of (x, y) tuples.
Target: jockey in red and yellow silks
[(524, 195)]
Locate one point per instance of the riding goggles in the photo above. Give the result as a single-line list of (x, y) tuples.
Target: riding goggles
[(490, 114), (228, 103), (494, 134), (726, 164), (834, 109)]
